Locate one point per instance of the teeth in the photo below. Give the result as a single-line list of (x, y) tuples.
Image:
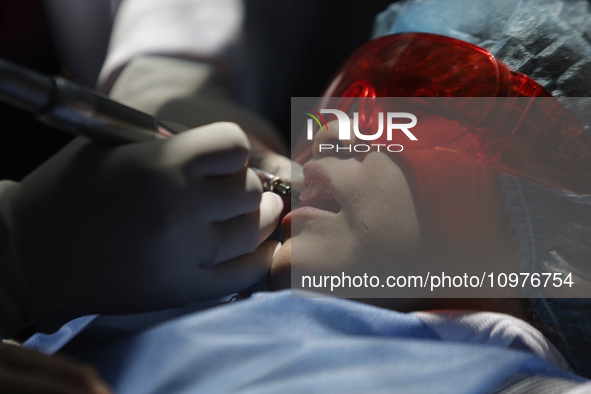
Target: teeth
[(314, 189), (306, 193), (319, 188)]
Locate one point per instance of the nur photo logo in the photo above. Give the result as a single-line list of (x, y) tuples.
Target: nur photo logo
[(390, 119)]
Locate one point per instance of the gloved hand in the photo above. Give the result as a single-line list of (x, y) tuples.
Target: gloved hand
[(266, 159), (192, 94), (134, 228)]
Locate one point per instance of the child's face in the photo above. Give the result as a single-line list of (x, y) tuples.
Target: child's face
[(354, 208), (360, 209)]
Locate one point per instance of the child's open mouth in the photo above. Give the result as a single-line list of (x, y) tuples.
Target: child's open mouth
[(318, 195)]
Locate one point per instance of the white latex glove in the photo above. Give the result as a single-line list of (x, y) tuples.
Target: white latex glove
[(130, 228), (193, 94), (268, 160)]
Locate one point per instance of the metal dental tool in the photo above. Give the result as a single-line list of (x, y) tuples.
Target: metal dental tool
[(67, 106), (273, 183)]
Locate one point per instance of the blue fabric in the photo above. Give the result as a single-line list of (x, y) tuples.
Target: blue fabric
[(101, 328), (51, 343), (275, 343)]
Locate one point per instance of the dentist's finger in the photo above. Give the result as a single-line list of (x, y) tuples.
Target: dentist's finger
[(291, 173), (245, 233), (230, 276), (216, 149), (231, 196), (242, 272)]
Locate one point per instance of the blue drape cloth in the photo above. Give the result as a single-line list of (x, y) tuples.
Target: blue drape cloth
[(273, 343)]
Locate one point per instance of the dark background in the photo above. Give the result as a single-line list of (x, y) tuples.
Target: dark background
[(296, 45)]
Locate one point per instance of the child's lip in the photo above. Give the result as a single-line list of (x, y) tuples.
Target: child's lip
[(315, 175), (307, 213), (309, 207), (319, 195), (320, 205)]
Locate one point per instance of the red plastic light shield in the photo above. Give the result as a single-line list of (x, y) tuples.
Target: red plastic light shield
[(524, 131)]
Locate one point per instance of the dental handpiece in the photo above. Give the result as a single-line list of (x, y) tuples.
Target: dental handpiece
[(68, 106)]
